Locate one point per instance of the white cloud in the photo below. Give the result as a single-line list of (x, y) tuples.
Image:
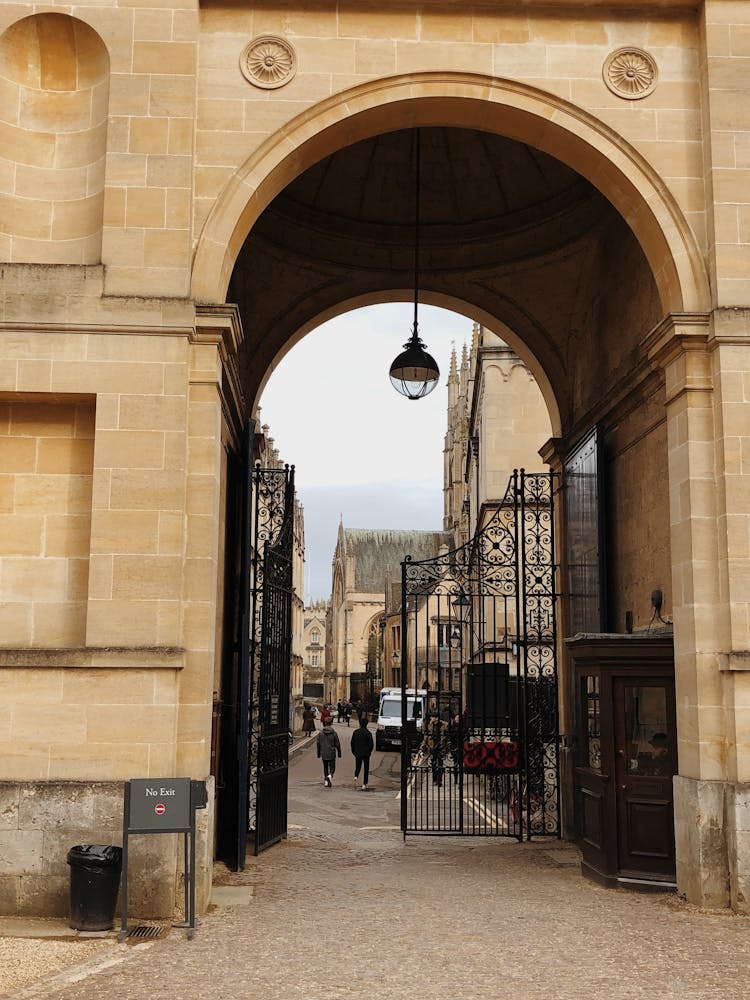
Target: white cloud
[(334, 415), (333, 412)]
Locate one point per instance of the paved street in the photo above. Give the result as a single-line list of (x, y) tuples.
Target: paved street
[(345, 908)]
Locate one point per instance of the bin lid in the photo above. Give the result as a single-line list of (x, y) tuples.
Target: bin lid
[(102, 855)]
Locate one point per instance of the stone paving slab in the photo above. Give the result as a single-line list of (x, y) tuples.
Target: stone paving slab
[(391, 920), (346, 908)]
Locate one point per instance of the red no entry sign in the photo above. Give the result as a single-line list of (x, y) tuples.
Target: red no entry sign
[(160, 808)]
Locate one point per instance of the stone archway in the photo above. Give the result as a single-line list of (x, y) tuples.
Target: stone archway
[(526, 114), (623, 177)]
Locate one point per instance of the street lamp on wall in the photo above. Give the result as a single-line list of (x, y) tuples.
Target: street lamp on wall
[(414, 373)]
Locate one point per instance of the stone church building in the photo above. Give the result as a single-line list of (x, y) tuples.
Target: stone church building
[(187, 188), (364, 562)]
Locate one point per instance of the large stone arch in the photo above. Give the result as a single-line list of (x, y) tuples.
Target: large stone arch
[(517, 111)]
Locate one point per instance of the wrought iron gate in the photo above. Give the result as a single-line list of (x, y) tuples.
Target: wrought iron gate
[(479, 753), (272, 531), (256, 656)]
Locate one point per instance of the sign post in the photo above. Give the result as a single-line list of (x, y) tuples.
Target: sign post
[(162, 805)]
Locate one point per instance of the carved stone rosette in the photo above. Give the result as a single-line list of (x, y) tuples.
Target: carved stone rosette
[(268, 61), (630, 73)]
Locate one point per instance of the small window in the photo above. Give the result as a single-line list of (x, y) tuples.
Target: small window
[(315, 637), (315, 659), (593, 752), (647, 732)]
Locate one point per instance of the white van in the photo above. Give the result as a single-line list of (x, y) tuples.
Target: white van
[(388, 734)]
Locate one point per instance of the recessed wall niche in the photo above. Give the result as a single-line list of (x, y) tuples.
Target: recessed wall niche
[(54, 94)]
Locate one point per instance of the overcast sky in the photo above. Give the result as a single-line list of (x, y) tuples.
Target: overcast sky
[(359, 448)]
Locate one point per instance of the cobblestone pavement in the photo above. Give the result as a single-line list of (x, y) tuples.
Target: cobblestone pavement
[(345, 908)]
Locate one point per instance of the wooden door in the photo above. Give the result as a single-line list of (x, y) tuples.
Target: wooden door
[(593, 777), (645, 762)]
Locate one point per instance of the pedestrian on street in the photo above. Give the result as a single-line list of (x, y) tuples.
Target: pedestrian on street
[(308, 721), (326, 715), (434, 740), (348, 712), (362, 749), (329, 748), (339, 711)]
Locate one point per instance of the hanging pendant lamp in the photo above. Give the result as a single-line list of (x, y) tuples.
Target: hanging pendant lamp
[(415, 373)]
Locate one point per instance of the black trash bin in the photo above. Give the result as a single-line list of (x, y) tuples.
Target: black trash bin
[(94, 884)]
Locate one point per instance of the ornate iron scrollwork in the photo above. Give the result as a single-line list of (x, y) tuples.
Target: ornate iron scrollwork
[(494, 769), (270, 652)]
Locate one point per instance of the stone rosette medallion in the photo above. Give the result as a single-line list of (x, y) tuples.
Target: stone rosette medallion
[(268, 61), (630, 73)]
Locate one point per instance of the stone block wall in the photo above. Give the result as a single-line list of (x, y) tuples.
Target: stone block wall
[(41, 821), (46, 477)]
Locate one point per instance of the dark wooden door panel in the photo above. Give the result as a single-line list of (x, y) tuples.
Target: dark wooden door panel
[(592, 824), (645, 761)]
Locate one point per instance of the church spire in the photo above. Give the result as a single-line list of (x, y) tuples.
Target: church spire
[(452, 384), (464, 377)]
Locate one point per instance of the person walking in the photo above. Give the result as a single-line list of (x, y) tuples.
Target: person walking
[(339, 711), (362, 747), (308, 721), (348, 712), (329, 748), (326, 715), (434, 739)]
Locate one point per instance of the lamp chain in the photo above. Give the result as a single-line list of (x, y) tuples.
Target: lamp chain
[(417, 158)]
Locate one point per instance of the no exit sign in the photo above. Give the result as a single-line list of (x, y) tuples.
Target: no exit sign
[(159, 804)]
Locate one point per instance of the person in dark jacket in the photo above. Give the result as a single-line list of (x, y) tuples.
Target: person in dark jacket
[(362, 749), (308, 721), (329, 748)]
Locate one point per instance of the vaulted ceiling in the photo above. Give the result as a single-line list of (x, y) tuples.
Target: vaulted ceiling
[(503, 227)]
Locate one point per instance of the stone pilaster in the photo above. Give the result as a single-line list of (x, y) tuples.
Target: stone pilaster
[(708, 414)]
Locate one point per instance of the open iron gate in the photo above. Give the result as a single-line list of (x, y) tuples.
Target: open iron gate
[(253, 760), (478, 655), (270, 653)]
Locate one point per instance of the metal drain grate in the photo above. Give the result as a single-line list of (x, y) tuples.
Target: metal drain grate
[(143, 932)]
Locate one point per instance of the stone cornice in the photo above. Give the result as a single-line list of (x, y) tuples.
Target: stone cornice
[(552, 453), (221, 326), (99, 657), (110, 329), (675, 334), (739, 659)]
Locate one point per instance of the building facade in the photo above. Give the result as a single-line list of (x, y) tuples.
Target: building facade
[(314, 646), (187, 188), (497, 422), (363, 561)]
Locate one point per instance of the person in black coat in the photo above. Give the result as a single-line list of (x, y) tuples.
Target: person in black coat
[(362, 746), (329, 748)]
